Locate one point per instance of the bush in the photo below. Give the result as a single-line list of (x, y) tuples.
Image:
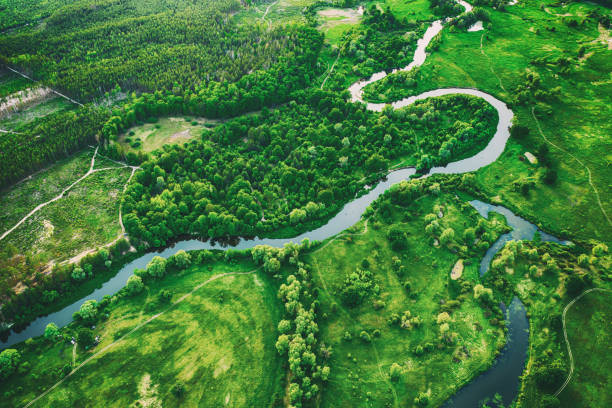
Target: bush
[(157, 267), (51, 331), (178, 389), (395, 371), (365, 336), (134, 285), (85, 337), (9, 360)]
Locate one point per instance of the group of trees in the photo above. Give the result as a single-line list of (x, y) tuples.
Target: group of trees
[(291, 167), (86, 51), (43, 289), (298, 330)]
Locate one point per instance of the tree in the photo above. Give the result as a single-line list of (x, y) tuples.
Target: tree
[(51, 331), (395, 371), (447, 236), (178, 389), (469, 235), (89, 311), (85, 338), (157, 267), (297, 215), (9, 360), (134, 285), (181, 260)]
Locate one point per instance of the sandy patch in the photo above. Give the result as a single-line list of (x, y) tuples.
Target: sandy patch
[(531, 158), (457, 270), (477, 26), (48, 229), (227, 398), (257, 281), (222, 366), (23, 99), (180, 135), (19, 287), (148, 393)]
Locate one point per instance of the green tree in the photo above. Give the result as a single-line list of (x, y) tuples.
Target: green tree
[(89, 311), (9, 360), (134, 285), (51, 332)]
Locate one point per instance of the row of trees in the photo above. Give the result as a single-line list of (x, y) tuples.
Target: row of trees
[(298, 330)]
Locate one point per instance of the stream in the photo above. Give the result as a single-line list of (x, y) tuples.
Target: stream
[(504, 375)]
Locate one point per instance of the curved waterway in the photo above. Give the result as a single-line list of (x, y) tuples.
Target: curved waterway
[(503, 376)]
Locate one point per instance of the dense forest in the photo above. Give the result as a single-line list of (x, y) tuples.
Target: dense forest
[(291, 166), (86, 51), (58, 135)]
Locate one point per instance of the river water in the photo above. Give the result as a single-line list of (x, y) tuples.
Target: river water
[(503, 376)]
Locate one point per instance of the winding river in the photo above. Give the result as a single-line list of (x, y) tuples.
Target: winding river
[(503, 376)]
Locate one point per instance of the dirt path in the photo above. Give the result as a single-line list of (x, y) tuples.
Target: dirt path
[(575, 158), (64, 191), (52, 90), (138, 327), (569, 349), (331, 69)]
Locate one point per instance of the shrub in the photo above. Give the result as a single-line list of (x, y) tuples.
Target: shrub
[(134, 285), (395, 371), (365, 336), (85, 337), (9, 360)]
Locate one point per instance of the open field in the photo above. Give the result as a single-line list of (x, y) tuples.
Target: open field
[(40, 187), (590, 337), (219, 342), (526, 39), (427, 363), (152, 136), (17, 120), (85, 218)]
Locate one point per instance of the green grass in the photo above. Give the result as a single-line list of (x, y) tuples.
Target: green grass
[(587, 329), (219, 342), (412, 10), (335, 22), (17, 120), (152, 136), (360, 371), (516, 38), (85, 218), (23, 197)]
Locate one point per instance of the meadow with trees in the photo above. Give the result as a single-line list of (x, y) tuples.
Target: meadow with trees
[(130, 126)]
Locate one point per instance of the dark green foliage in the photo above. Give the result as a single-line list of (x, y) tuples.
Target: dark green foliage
[(85, 338), (9, 360)]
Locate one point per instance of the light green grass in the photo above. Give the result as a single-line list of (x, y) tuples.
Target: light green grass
[(18, 119), (360, 371), (169, 130), (516, 38), (588, 323), (23, 197), (85, 218), (219, 342)]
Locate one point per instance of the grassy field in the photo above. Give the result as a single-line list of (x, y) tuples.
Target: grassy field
[(361, 373), (588, 330), (18, 119), (86, 217), (219, 342), (40, 187), (170, 130), (525, 39)]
